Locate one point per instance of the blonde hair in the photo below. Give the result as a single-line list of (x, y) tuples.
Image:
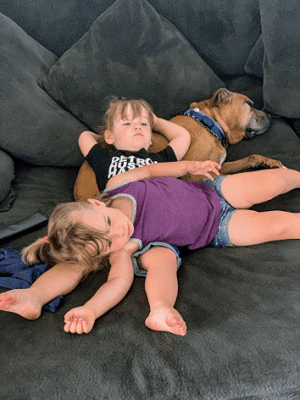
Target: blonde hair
[(119, 105), (69, 239)]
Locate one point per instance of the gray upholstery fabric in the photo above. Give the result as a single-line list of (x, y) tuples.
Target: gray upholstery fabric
[(254, 64), (38, 189), (222, 32), (131, 51), (281, 32), (32, 126), (6, 177), (225, 34), (55, 24)]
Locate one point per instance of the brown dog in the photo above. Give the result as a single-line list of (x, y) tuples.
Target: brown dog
[(230, 115)]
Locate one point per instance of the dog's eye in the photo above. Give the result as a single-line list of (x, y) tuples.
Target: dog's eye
[(250, 103)]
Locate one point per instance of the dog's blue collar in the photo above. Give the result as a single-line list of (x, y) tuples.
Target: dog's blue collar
[(211, 125)]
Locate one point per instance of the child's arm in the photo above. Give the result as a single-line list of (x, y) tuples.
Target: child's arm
[(177, 135), (86, 141), (175, 169), (120, 278)]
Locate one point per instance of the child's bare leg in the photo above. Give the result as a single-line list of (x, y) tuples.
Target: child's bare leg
[(248, 188), (248, 227), (162, 288), (58, 280)]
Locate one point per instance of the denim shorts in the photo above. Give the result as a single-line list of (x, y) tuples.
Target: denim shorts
[(222, 237), (142, 272)]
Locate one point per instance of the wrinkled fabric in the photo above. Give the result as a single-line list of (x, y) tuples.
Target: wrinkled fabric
[(14, 274), (188, 212), (280, 35)]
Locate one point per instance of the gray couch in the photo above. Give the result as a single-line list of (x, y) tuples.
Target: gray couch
[(59, 60)]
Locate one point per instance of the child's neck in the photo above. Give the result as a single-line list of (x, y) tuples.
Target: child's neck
[(125, 205), (133, 151)]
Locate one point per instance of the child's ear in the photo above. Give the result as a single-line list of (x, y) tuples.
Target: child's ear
[(97, 203), (108, 137)]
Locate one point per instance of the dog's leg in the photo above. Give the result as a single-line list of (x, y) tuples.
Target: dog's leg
[(252, 162)]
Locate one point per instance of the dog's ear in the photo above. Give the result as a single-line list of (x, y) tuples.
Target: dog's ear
[(221, 96)]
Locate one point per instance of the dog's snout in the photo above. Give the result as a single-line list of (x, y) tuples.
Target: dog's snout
[(264, 118), (259, 124), (268, 116)]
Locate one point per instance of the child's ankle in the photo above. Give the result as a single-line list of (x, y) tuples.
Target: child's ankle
[(161, 304)]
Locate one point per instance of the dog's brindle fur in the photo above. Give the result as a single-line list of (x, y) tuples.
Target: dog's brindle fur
[(238, 119)]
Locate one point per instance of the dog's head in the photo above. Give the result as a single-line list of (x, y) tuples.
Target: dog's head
[(236, 115)]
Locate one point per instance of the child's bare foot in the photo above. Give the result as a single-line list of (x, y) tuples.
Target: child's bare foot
[(166, 319), (79, 320), (22, 302)]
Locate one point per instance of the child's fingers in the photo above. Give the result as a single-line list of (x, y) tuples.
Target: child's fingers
[(76, 325), (216, 171), (67, 326), (201, 168), (68, 316), (205, 171), (211, 163), (79, 321), (70, 322), (85, 327), (79, 327), (208, 175), (215, 167)]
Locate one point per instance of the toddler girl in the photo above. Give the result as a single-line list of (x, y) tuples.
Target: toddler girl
[(127, 136)]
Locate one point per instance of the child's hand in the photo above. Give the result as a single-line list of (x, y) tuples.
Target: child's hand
[(79, 320), (203, 168), (154, 120)]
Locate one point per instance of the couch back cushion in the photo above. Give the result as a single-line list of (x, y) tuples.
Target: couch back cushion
[(55, 24), (130, 51), (7, 174), (33, 127), (222, 32)]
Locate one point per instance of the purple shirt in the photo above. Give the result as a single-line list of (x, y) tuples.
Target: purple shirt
[(170, 210)]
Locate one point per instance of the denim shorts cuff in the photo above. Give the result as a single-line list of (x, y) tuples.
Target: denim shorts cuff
[(222, 237), (143, 273)]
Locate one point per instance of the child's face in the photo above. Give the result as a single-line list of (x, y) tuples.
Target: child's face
[(130, 133), (117, 226)]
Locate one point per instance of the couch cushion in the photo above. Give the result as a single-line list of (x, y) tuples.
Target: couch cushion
[(38, 189), (222, 32), (131, 51), (54, 24), (254, 63), (280, 33), (7, 195), (32, 126)]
